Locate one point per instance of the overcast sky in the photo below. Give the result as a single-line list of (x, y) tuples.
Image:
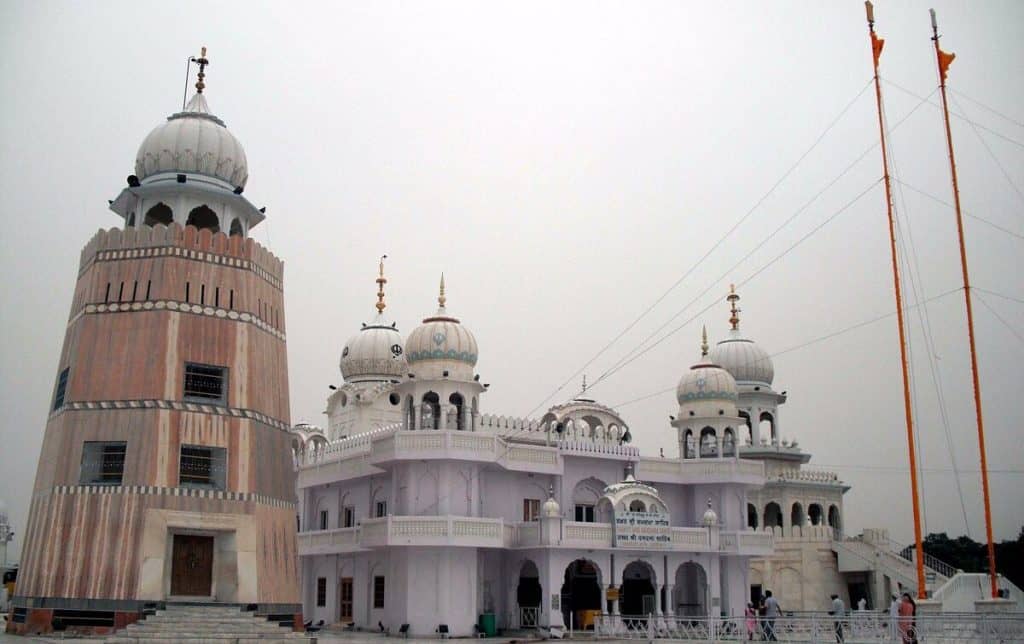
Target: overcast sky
[(564, 164)]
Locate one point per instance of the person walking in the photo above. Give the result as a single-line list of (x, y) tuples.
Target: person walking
[(751, 620), (838, 610), (862, 604), (772, 611)]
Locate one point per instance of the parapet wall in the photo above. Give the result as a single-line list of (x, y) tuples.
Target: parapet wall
[(189, 237)]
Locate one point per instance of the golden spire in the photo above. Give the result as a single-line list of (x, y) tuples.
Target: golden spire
[(733, 298), (441, 298), (202, 61), (704, 342), (381, 281)]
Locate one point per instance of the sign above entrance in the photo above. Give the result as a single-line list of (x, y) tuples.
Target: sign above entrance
[(642, 530)]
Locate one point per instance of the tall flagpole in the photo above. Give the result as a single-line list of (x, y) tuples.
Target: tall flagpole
[(876, 52), (944, 59)]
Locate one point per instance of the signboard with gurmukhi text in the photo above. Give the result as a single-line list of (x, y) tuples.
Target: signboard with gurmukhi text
[(642, 530)]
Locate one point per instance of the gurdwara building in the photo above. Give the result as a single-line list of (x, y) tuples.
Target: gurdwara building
[(165, 473), (420, 513)]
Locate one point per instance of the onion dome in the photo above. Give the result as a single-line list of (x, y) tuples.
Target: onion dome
[(375, 353), (743, 358), (550, 508), (710, 518), (441, 344), (193, 141), (706, 381)]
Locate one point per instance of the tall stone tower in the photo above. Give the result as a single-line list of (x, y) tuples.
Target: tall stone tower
[(165, 471)]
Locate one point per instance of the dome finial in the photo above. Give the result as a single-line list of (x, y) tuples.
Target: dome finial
[(441, 298), (202, 62), (733, 298), (584, 383), (381, 281), (704, 342)]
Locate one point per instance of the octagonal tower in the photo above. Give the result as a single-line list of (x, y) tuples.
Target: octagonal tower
[(165, 473)]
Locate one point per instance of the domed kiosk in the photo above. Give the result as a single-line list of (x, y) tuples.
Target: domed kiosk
[(190, 170), (707, 419)]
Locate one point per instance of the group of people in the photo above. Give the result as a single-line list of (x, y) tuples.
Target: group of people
[(902, 614), (768, 610)]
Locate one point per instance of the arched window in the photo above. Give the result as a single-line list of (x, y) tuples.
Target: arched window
[(708, 442), (751, 516), (796, 515), (410, 413), (637, 506), (203, 217), (833, 517), (688, 445), (767, 427), (431, 415), (159, 214), (772, 515), (815, 513), (236, 227), (746, 433), (728, 443), (456, 400)]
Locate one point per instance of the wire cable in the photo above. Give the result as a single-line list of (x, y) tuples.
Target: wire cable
[(946, 203), (986, 107), (1006, 175), (713, 248), (1008, 326)]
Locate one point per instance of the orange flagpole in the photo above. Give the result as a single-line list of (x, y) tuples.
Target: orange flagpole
[(944, 59), (876, 52)]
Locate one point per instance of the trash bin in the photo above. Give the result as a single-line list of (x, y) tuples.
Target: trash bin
[(488, 624)]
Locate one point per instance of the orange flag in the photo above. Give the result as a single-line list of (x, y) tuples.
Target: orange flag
[(944, 62), (876, 47)]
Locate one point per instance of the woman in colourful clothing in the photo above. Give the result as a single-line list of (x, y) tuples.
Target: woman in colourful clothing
[(908, 609), (751, 616)]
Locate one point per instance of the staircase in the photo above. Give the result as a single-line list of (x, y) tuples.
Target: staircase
[(874, 551), (210, 624)]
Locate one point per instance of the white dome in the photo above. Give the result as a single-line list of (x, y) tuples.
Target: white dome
[(710, 519), (375, 353), (193, 141), (744, 359), (442, 346), (706, 381), (550, 508)]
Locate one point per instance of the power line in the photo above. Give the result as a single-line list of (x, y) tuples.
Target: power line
[(1006, 175), (713, 248), (959, 116), (1008, 326), (986, 107), (817, 340), (1005, 297), (949, 205)]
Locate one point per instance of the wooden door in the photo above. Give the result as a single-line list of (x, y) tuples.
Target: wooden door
[(346, 600), (192, 565)]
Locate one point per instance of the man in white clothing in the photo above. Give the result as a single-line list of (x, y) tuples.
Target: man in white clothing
[(838, 611), (894, 617)]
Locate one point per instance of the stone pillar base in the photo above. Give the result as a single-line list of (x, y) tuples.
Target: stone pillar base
[(928, 606)]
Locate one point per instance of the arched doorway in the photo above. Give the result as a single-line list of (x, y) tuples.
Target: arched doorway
[(431, 414), (814, 512), (691, 591), (751, 516), (833, 518), (772, 515), (457, 402), (796, 515), (638, 597), (203, 217), (528, 595), (159, 214), (581, 591)]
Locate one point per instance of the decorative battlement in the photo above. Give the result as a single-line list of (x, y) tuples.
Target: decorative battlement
[(803, 475), (504, 424), (188, 242)]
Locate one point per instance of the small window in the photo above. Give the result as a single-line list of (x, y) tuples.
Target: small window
[(321, 591), (394, 399), (323, 519), (206, 383), (637, 506), (102, 463), (381, 509), (62, 386), (531, 509), (349, 520), (202, 466), (585, 513), (378, 592)]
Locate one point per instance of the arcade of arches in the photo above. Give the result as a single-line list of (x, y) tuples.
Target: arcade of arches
[(773, 516)]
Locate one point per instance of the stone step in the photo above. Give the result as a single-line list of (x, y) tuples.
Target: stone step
[(209, 610), (167, 618), (206, 628), (197, 638)]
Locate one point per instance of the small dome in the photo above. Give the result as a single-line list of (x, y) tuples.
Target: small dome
[(744, 359), (375, 353), (193, 141), (706, 381), (443, 340), (550, 508), (710, 518)]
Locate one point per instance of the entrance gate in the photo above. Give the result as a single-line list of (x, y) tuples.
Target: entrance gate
[(345, 595), (192, 565)]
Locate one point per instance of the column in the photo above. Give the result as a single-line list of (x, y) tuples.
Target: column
[(670, 606), (418, 413), (467, 418)]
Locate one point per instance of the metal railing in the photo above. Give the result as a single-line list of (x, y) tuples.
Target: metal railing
[(947, 628)]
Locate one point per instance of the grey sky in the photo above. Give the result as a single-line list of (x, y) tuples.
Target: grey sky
[(563, 164)]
